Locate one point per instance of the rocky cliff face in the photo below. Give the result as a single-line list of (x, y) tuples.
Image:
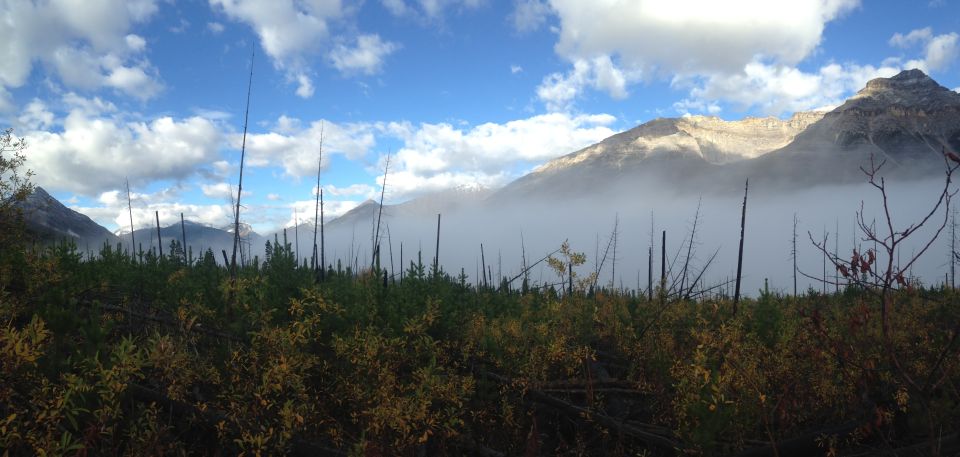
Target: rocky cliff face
[(906, 117), (713, 139), (51, 221), (906, 120)]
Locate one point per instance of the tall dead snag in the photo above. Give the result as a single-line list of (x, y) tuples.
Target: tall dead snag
[(376, 236), (743, 222), (317, 218), (650, 261), (436, 257), (483, 265), (953, 249), (296, 234), (243, 153), (663, 264), (183, 233), (793, 253), (613, 262), (159, 238), (133, 242), (686, 262)]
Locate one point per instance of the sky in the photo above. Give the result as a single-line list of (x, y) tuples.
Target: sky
[(457, 93)]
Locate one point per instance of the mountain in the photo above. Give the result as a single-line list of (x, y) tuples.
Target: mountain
[(199, 237), (51, 221), (905, 119)]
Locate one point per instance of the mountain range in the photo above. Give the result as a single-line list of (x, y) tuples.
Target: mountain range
[(906, 121)]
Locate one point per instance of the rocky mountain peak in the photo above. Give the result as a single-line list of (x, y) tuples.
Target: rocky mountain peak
[(907, 88)]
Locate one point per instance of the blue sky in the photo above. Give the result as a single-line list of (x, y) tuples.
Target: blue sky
[(462, 93)]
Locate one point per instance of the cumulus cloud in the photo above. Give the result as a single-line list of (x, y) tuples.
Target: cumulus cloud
[(88, 44), (529, 15), (293, 32), (428, 10), (441, 156), (611, 45), (112, 210), (779, 88), (558, 90), (703, 35), (221, 191), (939, 51), (353, 190), (365, 57), (302, 211), (296, 149), (215, 28), (98, 148), (434, 156)]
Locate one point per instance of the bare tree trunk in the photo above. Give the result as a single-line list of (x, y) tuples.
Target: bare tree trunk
[(133, 243), (243, 151), (663, 264), (436, 256), (693, 236), (296, 234), (743, 221), (183, 233), (793, 254), (159, 238), (316, 209), (483, 264), (376, 236)]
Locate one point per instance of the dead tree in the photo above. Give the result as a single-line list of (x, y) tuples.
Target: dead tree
[(183, 233), (159, 238), (317, 267), (376, 236), (793, 253), (243, 151), (743, 222), (133, 243)]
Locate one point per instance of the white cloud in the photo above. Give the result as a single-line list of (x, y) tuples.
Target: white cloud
[(900, 40), (274, 197), (433, 156), (297, 149), (112, 212), (136, 43), (353, 190), (220, 190), (441, 156), (558, 90), (529, 15), (302, 211), (694, 36), (6, 101), (304, 86), (290, 31), (133, 81), (777, 89), (941, 51), (365, 57), (97, 149), (215, 28), (84, 42), (287, 28), (35, 116), (428, 10), (514, 69), (613, 44)]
